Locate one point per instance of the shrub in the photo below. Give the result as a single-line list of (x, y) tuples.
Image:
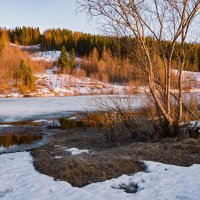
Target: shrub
[(117, 122)]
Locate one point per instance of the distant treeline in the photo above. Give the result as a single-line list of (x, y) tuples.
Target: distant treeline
[(84, 44)]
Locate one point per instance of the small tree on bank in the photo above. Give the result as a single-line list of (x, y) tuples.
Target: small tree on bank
[(25, 75), (63, 60)]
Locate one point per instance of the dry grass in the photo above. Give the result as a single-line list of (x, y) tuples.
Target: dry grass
[(82, 170), (105, 160), (193, 110), (118, 119)]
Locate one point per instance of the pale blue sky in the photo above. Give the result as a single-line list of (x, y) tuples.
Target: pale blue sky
[(44, 14)]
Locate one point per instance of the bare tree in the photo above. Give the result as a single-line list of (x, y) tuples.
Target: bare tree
[(165, 21)]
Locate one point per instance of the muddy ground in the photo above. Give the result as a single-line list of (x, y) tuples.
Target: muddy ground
[(106, 161)]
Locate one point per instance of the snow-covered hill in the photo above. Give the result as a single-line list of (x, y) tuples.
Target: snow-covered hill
[(49, 84)]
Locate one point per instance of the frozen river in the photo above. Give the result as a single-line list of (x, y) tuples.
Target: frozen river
[(33, 108), (21, 109)]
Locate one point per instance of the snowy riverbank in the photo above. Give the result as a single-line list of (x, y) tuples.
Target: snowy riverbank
[(19, 180)]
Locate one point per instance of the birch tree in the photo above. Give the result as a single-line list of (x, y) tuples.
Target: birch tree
[(162, 20)]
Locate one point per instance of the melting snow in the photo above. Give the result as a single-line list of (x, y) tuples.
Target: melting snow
[(19, 180), (49, 84)]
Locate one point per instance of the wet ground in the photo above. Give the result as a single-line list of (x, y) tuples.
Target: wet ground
[(49, 139), (27, 135), (23, 136)]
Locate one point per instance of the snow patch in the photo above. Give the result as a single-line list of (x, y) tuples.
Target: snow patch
[(19, 180), (5, 125), (75, 151), (41, 121), (57, 157), (72, 118), (31, 47), (48, 56), (195, 124), (51, 123)]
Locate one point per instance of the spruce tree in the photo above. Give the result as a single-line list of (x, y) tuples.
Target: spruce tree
[(22, 70), (25, 75), (72, 59), (63, 60), (29, 79)]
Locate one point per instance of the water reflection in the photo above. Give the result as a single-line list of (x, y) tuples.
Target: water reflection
[(12, 139)]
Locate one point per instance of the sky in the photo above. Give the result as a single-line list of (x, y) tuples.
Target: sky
[(44, 14)]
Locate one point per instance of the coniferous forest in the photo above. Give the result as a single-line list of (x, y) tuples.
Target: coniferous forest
[(84, 44)]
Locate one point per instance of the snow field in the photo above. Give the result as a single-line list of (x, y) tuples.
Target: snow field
[(19, 180)]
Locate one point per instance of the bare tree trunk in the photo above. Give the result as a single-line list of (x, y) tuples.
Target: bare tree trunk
[(163, 21), (169, 90), (181, 92)]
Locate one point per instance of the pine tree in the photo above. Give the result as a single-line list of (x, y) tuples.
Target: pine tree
[(63, 60), (72, 60)]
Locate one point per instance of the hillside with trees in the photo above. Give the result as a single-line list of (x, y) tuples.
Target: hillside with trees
[(16, 68), (83, 44)]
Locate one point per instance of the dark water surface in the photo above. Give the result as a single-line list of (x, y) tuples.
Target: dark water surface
[(11, 139)]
